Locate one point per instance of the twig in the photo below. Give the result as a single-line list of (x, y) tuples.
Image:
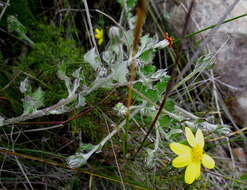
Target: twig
[(115, 156), (90, 26), (4, 9)]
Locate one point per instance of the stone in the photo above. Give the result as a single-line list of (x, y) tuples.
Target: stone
[(229, 44)]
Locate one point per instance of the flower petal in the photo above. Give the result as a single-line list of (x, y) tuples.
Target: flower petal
[(100, 41), (199, 138), (208, 161), (182, 161), (97, 36), (198, 170), (189, 136), (97, 31), (191, 172), (179, 148)]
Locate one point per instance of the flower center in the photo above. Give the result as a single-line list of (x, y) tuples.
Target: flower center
[(197, 152)]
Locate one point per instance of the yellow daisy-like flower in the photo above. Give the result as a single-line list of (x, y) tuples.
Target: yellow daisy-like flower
[(99, 35), (192, 157)]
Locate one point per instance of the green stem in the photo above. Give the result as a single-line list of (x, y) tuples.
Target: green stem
[(210, 27)]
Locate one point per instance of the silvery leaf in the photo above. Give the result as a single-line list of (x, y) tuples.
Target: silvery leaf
[(158, 74), (119, 71), (77, 73), (147, 43), (92, 58), (108, 57), (25, 84), (77, 160), (81, 101), (161, 44)]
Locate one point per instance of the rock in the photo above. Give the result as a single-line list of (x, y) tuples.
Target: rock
[(229, 43)]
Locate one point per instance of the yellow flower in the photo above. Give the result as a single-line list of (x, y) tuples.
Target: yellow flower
[(99, 35), (192, 157)]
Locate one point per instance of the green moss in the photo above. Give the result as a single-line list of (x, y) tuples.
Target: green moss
[(22, 10), (50, 51), (89, 125)]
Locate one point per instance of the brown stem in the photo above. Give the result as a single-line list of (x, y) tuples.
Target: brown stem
[(170, 84)]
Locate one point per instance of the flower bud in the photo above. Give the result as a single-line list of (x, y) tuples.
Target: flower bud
[(114, 33)]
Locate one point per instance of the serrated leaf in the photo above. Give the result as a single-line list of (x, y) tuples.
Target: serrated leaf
[(147, 43), (141, 88), (147, 56), (92, 58), (149, 93), (152, 95), (161, 85), (148, 69)]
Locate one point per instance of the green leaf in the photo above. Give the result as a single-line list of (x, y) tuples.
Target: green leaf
[(141, 88), (243, 177), (148, 69), (152, 95), (161, 85), (147, 56), (85, 147), (149, 93), (131, 3), (169, 105), (165, 120)]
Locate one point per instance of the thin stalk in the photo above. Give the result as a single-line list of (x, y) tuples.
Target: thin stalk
[(61, 165), (140, 18)]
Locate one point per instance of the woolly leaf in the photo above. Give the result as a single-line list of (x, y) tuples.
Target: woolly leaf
[(119, 71), (92, 58), (33, 101)]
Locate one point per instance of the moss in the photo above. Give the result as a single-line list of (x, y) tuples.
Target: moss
[(22, 10), (50, 51)]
